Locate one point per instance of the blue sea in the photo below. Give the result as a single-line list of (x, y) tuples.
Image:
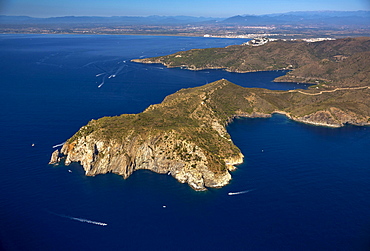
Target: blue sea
[(305, 187)]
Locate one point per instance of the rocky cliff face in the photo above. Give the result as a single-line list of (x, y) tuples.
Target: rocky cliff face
[(161, 153), (332, 117)]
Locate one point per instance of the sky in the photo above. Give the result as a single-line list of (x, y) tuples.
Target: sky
[(205, 8)]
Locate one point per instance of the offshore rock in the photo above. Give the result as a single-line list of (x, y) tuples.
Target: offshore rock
[(54, 157)]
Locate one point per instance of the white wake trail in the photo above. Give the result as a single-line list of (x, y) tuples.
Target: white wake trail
[(97, 75), (80, 219), (102, 83), (88, 221), (241, 192), (61, 144), (119, 70)]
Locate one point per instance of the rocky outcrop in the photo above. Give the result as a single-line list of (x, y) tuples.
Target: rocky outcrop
[(333, 117), (320, 118), (55, 157)]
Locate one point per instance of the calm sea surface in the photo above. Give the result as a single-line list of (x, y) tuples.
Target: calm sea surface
[(307, 187)]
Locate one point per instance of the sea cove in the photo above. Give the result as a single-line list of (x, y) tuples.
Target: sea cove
[(309, 185)]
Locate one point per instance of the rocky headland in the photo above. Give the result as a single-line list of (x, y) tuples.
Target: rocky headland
[(185, 135)]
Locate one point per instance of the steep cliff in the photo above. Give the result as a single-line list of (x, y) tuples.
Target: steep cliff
[(186, 136)]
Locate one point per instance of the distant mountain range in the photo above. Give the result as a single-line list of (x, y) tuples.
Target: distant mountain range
[(304, 18), (122, 20), (329, 18)]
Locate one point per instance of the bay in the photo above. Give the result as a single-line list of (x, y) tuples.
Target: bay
[(309, 187)]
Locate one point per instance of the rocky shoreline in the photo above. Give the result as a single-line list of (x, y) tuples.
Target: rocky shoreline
[(194, 68), (99, 156)]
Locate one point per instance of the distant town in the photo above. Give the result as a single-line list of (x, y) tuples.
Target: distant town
[(198, 31), (298, 25)]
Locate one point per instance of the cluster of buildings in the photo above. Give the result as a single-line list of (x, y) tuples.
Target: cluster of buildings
[(257, 41)]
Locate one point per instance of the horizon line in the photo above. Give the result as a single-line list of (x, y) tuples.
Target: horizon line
[(280, 13)]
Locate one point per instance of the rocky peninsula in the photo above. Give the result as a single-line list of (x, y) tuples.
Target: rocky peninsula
[(185, 135), (328, 64)]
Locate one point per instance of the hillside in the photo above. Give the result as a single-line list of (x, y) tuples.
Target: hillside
[(334, 63), (185, 136)]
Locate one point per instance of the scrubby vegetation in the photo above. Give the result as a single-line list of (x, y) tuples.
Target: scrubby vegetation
[(199, 115)]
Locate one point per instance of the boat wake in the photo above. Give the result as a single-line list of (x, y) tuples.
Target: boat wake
[(81, 219), (119, 70), (101, 85), (241, 192), (97, 75), (58, 145), (88, 221)]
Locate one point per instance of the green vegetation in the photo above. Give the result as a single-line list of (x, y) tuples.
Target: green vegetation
[(199, 116)]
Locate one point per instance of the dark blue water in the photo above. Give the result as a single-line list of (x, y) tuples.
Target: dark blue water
[(309, 186)]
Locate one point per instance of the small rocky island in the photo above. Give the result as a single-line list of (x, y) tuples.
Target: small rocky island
[(185, 136)]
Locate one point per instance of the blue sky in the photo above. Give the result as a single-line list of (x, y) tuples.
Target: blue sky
[(208, 8)]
